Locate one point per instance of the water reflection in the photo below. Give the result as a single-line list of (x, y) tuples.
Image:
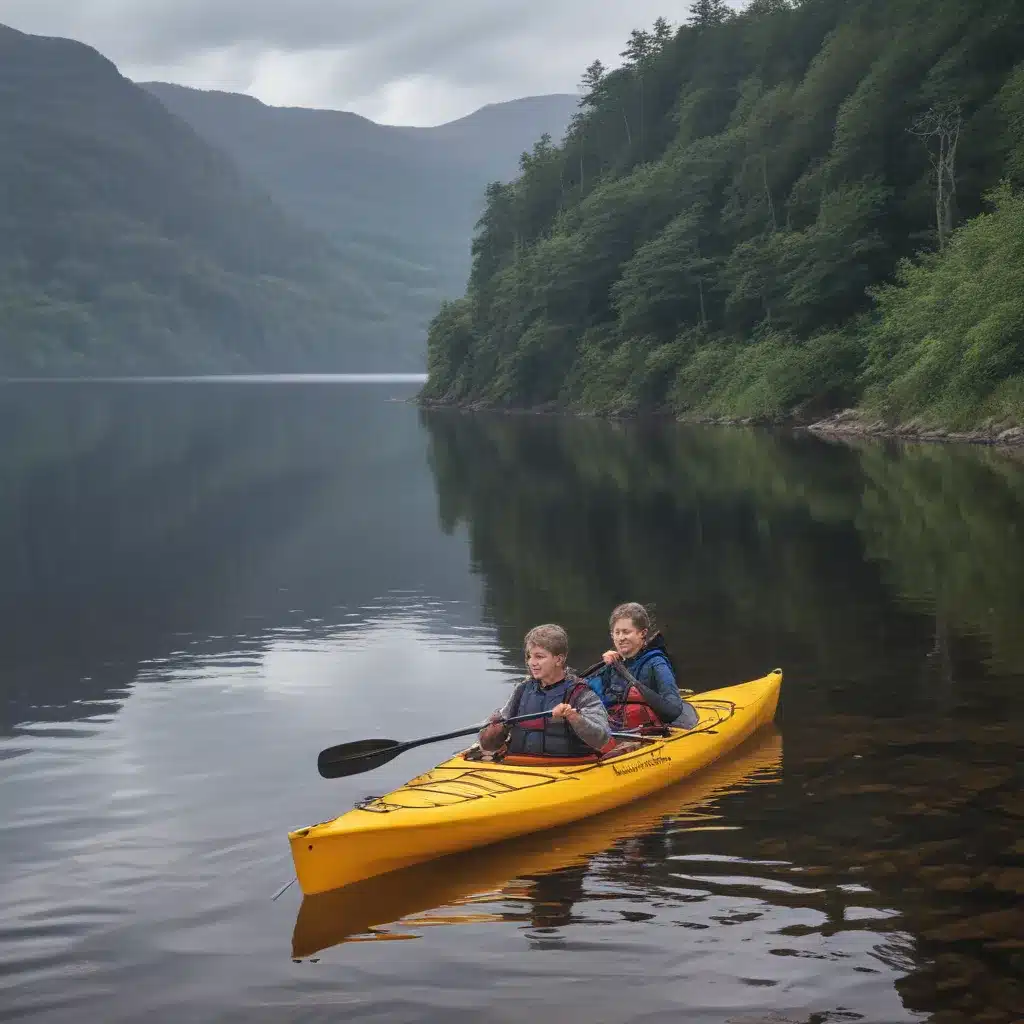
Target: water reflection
[(887, 581), (141, 521), (824, 553), (201, 586), (670, 888), (154, 838)]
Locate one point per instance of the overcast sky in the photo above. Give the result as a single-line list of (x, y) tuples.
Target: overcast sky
[(396, 61)]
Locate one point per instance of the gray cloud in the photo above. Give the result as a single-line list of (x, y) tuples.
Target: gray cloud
[(404, 61)]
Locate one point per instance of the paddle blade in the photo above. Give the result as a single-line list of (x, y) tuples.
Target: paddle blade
[(355, 758)]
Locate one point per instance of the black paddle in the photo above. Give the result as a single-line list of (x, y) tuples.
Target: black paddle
[(625, 673), (652, 698), (365, 755), (598, 665)]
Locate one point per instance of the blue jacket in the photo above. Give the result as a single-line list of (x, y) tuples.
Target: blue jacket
[(652, 668)]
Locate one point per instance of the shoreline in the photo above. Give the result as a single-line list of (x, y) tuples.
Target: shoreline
[(852, 423), (848, 424)]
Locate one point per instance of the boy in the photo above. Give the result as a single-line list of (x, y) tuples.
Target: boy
[(578, 725)]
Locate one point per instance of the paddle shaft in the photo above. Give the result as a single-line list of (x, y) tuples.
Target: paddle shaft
[(364, 755), (617, 665), (620, 667), (597, 666), (345, 756), (468, 732)]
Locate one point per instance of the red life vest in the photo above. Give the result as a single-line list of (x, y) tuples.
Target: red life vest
[(633, 713), (625, 704)]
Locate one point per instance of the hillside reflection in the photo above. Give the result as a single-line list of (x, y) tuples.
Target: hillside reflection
[(139, 518), (885, 580)]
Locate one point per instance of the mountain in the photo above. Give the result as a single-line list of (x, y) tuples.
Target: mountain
[(398, 203), (129, 244), (775, 214), (495, 135)]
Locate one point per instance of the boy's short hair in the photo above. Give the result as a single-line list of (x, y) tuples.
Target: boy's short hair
[(551, 637)]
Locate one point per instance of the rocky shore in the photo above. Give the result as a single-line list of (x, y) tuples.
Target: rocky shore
[(854, 423), (847, 424)]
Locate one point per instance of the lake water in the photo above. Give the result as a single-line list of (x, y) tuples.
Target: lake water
[(202, 585)]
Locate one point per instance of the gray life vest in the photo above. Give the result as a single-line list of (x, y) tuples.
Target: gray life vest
[(550, 737)]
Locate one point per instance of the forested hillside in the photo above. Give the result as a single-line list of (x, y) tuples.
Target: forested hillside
[(772, 214), (128, 244)]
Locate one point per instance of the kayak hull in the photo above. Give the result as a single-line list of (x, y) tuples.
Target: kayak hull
[(460, 889), (462, 804)]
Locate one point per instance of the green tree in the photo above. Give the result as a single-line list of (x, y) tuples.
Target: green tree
[(709, 12), (947, 338), (664, 285), (1010, 104), (756, 8)]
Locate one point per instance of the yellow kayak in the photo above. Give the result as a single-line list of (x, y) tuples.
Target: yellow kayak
[(462, 803), (456, 889)]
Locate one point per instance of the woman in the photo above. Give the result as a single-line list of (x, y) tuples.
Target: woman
[(649, 664), (578, 724)]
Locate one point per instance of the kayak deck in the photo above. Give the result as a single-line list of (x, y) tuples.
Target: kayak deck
[(463, 803)]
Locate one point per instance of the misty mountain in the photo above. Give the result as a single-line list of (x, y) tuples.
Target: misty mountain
[(398, 203), (129, 244), (224, 235)]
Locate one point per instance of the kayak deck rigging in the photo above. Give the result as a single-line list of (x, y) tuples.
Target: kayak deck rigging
[(450, 783), (473, 783)]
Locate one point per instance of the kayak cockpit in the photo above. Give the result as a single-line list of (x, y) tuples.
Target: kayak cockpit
[(623, 746)]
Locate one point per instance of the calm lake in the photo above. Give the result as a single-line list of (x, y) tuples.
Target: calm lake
[(203, 584)]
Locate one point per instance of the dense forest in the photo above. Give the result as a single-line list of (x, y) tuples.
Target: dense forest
[(129, 244), (772, 214)]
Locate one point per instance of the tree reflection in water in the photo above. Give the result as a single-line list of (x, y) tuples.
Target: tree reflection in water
[(885, 579)]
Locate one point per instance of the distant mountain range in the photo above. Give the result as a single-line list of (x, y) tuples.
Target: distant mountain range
[(163, 229), (398, 203)]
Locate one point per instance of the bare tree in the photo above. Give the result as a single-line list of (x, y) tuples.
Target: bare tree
[(590, 88), (939, 129), (638, 54), (768, 191)]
